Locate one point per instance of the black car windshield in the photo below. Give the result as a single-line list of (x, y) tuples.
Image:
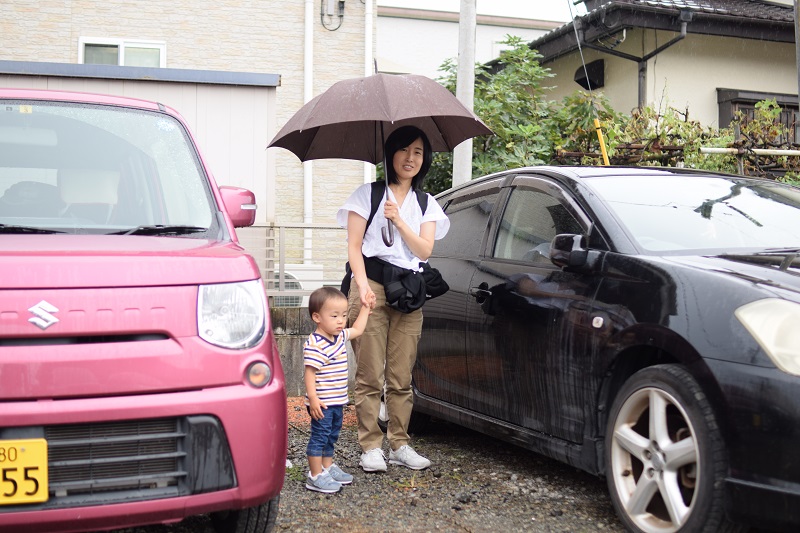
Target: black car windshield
[(678, 213), (100, 169)]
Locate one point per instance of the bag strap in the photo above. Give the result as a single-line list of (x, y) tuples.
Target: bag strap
[(376, 193)]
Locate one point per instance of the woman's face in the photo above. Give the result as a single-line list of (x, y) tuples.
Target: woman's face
[(408, 161)]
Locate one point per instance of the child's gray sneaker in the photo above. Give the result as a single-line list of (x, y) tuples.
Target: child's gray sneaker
[(373, 461), (324, 483), (339, 475), (406, 456)]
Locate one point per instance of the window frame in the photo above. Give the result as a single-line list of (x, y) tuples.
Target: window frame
[(487, 188), (542, 185), (730, 101), (121, 45)]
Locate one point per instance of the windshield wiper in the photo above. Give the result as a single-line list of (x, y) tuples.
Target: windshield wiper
[(780, 251), (10, 228), (159, 229), (783, 258)]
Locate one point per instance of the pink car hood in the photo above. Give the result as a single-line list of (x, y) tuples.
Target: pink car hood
[(104, 261)]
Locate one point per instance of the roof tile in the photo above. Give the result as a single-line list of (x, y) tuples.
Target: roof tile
[(752, 9)]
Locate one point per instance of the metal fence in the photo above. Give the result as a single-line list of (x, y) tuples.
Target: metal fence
[(295, 259)]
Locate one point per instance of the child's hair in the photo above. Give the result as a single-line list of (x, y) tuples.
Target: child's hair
[(320, 296)]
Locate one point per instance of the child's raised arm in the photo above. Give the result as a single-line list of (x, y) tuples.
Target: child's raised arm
[(361, 322)]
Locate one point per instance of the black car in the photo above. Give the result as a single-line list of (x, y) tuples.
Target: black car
[(641, 324)]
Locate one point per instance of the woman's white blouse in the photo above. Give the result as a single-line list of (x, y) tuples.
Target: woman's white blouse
[(399, 253)]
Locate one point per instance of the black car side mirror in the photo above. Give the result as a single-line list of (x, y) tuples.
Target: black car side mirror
[(568, 250)]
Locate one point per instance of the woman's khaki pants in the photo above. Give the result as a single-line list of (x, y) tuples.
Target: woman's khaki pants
[(386, 351)]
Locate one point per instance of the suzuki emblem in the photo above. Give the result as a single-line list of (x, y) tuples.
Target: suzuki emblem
[(43, 318)]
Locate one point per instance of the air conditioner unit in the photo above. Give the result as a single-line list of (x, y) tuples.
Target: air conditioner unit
[(307, 276)]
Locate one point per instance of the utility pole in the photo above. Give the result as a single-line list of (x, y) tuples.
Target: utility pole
[(797, 49), (465, 86)]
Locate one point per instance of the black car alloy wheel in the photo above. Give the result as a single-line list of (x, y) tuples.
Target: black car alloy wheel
[(665, 457)]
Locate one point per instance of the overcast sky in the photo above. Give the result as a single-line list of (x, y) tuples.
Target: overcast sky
[(558, 10)]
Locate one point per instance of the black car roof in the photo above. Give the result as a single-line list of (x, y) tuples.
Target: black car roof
[(587, 172)]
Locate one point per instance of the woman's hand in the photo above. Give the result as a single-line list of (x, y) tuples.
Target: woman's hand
[(367, 295), (391, 211)]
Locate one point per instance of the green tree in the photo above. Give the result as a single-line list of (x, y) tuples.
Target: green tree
[(572, 128), (511, 101), (531, 130)]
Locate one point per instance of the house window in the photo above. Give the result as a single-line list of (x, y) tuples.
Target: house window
[(732, 101), (127, 52)]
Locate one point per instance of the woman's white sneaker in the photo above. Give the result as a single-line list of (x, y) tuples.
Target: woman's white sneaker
[(373, 461), (406, 456)]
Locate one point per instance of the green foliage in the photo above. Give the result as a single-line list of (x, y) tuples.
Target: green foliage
[(512, 103), (792, 178), (296, 473), (669, 138), (573, 129), (766, 131), (529, 129)]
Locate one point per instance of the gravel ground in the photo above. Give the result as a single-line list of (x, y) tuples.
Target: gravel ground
[(476, 483)]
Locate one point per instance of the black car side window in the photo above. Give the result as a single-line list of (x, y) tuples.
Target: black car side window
[(530, 221), (469, 216)]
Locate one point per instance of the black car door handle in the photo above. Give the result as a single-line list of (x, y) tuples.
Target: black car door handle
[(479, 292)]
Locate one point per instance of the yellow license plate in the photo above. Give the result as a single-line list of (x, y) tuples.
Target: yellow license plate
[(23, 471)]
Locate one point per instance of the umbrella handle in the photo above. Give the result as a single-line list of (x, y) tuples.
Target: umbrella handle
[(388, 233)]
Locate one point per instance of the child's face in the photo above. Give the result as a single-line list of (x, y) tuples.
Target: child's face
[(332, 318)]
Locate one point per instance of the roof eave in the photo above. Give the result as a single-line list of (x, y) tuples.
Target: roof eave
[(612, 18)]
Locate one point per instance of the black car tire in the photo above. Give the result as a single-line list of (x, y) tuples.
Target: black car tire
[(259, 519), (677, 459), (416, 424)]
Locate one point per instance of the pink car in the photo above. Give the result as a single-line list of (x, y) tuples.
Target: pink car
[(139, 377)]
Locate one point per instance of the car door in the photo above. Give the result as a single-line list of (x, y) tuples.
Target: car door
[(529, 331), (440, 371)]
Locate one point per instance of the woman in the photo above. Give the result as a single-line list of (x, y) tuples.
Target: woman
[(388, 348)]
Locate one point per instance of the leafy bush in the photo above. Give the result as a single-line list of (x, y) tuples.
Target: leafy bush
[(766, 131), (529, 129), (512, 103)]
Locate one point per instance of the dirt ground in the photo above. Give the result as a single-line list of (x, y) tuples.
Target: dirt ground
[(299, 417)]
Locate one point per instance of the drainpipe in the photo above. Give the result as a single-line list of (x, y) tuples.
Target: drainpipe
[(369, 66), (797, 46), (685, 17), (308, 91)]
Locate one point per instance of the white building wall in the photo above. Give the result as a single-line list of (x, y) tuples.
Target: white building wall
[(420, 46), (691, 75)]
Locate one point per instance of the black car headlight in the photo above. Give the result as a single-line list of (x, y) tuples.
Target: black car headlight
[(773, 323), (232, 315)]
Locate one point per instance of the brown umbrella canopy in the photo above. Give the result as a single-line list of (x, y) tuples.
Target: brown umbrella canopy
[(353, 117)]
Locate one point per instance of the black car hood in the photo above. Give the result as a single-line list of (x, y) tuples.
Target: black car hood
[(762, 269)]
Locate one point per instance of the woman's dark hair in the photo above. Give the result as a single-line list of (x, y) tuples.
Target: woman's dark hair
[(400, 138)]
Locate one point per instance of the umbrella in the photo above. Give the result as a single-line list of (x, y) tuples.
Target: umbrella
[(352, 118)]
